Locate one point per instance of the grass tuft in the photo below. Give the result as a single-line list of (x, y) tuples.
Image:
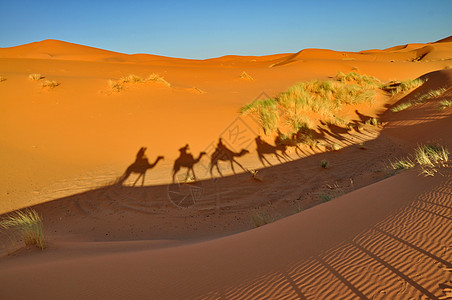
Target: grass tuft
[(35, 77), (2, 78), (401, 106), (50, 84), (325, 164), (445, 104), (267, 112), (157, 78), (28, 224), (407, 85), (402, 164), (430, 157)]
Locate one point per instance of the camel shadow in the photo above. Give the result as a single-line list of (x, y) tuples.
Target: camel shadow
[(139, 166), (186, 160), (222, 153), (263, 148)]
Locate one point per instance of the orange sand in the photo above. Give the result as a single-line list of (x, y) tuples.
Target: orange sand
[(61, 148)]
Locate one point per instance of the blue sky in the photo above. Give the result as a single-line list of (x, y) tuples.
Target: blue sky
[(205, 29)]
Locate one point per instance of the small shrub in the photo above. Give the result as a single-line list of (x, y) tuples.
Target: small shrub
[(445, 104), (35, 77), (325, 164), (2, 78), (28, 224), (50, 84)]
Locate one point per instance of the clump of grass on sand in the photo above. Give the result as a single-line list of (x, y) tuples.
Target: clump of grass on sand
[(35, 77), (157, 78), (445, 104), (119, 85), (325, 164), (2, 78), (131, 78), (115, 86), (261, 218), (407, 85), (401, 106), (245, 75), (324, 99), (430, 95), (402, 164), (267, 112), (430, 157), (28, 224), (50, 84)]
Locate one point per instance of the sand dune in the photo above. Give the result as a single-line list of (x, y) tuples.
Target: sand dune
[(63, 148)]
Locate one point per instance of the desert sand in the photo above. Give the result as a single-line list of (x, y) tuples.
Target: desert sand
[(383, 234)]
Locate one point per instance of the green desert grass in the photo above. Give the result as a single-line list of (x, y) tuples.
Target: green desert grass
[(421, 99), (402, 164), (445, 104), (430, 158), (401, 106), (324, 98), (35, 77), (407, 85), (27, 224), (267, 112)]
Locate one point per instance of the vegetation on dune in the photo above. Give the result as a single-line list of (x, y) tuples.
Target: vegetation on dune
[(261, 218), (407, 85), (418, 100), (428, 157), (2, 78), (27, 224), (322, 98), (267, 112), (50, 84), (35, 77), (118, 85), (445, 104)]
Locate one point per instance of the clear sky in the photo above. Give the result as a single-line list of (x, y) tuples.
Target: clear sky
[(205, 29)]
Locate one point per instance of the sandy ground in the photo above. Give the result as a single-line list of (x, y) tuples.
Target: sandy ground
[(386, 235)]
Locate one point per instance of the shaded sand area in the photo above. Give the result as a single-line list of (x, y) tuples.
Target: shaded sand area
[(354, 230)]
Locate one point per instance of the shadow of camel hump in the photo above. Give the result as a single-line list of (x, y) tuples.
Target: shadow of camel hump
[(222, 153), (186, 160), (139, 166), (263, 148)]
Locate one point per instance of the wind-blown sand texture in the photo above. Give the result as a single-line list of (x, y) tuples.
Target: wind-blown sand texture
[(385, 235)]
